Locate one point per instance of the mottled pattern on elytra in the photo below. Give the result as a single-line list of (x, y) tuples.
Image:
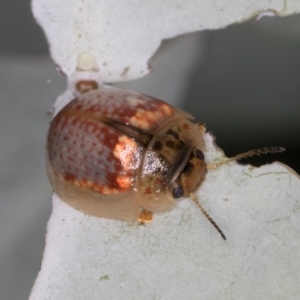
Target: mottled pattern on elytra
[(125, 107), (82, 151), (86, 149)]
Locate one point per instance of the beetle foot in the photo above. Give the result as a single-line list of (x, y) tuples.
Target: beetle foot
[(145, 217)]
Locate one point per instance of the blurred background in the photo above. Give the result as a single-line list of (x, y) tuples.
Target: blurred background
[(241, 81)]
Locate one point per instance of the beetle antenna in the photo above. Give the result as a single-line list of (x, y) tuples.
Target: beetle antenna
[(249, 153), (210, 219)]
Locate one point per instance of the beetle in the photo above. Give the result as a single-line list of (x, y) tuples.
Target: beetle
[(123, 155)]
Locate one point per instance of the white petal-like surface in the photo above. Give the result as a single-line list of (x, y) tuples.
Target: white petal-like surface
[(180, 255), (116, 39)]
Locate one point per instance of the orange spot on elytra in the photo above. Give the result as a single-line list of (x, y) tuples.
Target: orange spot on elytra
[(167, 109), (88, 184), (125, 151), (144, 119), (124, 181)]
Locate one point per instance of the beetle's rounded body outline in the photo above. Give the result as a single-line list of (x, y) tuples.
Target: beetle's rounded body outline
[(112, 153), (124, 155)]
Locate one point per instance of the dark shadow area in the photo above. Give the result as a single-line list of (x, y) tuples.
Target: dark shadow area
[(247, 92), (18, 30)]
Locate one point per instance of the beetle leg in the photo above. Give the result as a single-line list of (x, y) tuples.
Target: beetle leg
[(145, 217)]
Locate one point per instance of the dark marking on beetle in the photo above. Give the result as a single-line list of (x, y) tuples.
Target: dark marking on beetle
[(198, 153), (144, 138), (177, 191), (173, 133), (175, 145), (166, 173), (157, 146), (188, 169)]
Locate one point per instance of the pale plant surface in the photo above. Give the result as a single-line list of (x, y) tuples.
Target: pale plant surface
[(122, 36)]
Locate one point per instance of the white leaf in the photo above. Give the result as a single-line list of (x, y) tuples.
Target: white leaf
[(114, 40)]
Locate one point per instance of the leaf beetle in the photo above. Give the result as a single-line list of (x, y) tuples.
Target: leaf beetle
[(123, 155)]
